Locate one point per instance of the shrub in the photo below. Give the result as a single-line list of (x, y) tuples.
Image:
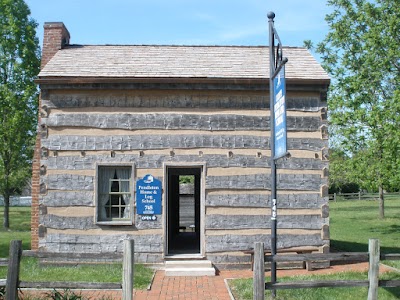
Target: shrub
[(64, 295), (2, 292)]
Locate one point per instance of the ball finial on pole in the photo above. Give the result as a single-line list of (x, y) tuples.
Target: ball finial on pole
[(271, 15)]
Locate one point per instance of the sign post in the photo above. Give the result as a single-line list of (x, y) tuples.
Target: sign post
[(277, 92)]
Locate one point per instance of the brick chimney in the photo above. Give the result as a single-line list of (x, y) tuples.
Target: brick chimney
[(56, 36)]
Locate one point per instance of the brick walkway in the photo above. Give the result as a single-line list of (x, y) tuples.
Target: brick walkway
[(205, 288), (214, 288)]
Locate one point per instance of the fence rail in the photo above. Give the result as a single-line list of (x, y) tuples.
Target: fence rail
[(12, 283), (373, 256), (361, 196)]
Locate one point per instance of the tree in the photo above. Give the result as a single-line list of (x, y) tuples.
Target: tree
[(19, 65), (362, 54), (340, 179)]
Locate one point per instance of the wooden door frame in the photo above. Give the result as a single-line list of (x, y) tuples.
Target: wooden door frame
[(203, 169)]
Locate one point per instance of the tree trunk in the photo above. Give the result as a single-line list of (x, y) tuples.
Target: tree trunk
[(6, 220), (381, 203)]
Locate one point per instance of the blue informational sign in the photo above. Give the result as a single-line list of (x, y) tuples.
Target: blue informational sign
[(280, 114), (148, 196)]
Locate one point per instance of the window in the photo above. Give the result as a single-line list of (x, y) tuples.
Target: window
[(114, 194)]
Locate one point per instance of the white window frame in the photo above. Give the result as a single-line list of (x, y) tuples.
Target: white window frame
[(127, 221)]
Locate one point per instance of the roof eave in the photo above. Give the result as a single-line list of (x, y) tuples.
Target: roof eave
[(121, 80)]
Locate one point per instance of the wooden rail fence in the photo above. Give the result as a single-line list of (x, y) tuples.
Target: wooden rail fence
[(373, 256), (12, 283), (360, 196)]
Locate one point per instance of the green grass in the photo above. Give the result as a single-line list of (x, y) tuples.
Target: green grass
[(243, 288), (31, 271), (353, 223), (20, 220), (20, 226)]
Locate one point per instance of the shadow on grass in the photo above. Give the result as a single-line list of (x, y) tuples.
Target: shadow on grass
[(394, 291), (392, 229), (344, 246), (4, 251)]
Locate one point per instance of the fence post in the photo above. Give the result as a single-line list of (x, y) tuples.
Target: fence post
[(334, 196), (373, 272), (14, 259), (127, 270), (359, 195), (259, 272)]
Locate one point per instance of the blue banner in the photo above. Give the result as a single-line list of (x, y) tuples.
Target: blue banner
[(148, 196), (279, 116)]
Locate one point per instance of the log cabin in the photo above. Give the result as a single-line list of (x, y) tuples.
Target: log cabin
[(119, 124)]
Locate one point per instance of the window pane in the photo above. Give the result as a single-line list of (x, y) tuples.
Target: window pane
[(114, 194), (124, 187)]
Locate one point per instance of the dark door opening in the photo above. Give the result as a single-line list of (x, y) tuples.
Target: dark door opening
[(183, 210)]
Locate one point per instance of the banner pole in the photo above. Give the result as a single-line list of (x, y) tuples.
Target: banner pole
[(271, 17)]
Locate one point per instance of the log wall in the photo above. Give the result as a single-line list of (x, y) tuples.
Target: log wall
[(227, 130)]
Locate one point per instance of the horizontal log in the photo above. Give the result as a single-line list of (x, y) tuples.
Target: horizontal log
[(178, 121), (57, 222), (231, 258), (61, 257), (294, 201), (139, 224), (389, 283), (69, 182), (60, 242), (107, 85), (187, 101), (263, 222), (85, 223), (390, 256), (3, 282), (3, 262), (67, 198), (29, 253), (316, 284), (298, 182), (153, 161), (181, 141), (77, 255), (341, 256), (70, 285), (235, 242)]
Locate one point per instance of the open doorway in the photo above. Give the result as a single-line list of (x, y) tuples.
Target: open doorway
[(183, 210)]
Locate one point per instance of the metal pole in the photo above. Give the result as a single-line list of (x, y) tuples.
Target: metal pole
[(271, 17)]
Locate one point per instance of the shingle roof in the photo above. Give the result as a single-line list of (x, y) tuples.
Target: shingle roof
[(212, 62)]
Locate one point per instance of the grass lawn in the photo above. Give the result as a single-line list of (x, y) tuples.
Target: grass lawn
[(352, 223), (243, 288), (20, 226), (20, 223), (32, 271)]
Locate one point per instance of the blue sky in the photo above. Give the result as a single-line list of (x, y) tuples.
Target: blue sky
[(183, 22)]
